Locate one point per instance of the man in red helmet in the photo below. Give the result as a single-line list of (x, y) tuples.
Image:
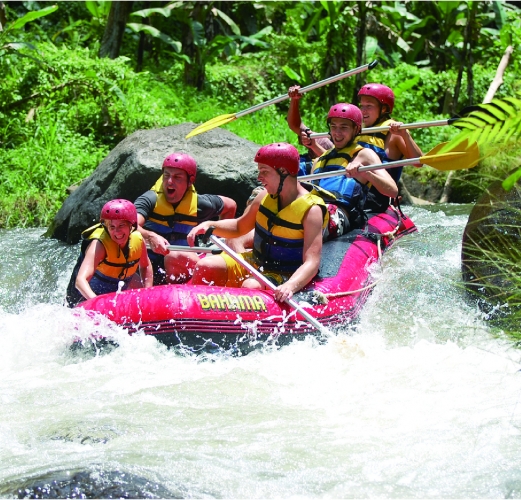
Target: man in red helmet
[(350, 190), (288, 222), (377, 103), (113, 255), (168, 211), (315, 147)]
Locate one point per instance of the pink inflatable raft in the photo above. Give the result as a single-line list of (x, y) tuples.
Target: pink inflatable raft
[(238, 319)]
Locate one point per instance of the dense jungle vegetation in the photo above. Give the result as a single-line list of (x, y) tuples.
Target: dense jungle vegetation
[(78, 77)]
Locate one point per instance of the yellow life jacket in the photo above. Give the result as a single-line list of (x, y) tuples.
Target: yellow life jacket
[(278, 243), (376, 201), (376, 141), (173, 223), (119, 263)]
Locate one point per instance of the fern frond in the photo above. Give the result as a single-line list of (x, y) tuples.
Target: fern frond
[(494, 122)]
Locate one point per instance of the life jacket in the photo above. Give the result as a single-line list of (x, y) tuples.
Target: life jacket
[(118, 265), (173, 223), (376, 142), (348, 193), (278, 243), (305, 164)]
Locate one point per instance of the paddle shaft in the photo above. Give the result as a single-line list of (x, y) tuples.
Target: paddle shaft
[(366, 168), (303, 90), (225, 248), (372, 130), (428, 159), (182, 248)]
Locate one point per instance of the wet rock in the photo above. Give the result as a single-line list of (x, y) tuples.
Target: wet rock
[(91, 484), (491, 246), (225, 167)]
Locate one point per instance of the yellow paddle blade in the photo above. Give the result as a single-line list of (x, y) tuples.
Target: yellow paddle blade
[(219, 119), (461, 157), (211, 124)]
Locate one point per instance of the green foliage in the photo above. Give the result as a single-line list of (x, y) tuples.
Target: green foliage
[(35, 175), (60, 101)]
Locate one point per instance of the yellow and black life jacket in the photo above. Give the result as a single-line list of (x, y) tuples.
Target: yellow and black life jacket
[(278, 243), (118, 265), (173, 223), (376, 142)]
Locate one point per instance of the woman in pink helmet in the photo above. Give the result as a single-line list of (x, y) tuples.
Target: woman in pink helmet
[(288, 222), (113, 255)]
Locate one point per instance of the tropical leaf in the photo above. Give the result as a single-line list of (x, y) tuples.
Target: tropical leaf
[(235, 29), (31, 16), (166, 11), (491, 123), (19, 45), (291, 74), (114, 88), (154, 32), (511, 180), (99, 10)]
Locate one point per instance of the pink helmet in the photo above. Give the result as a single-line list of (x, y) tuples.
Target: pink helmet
[(380, 92), (347, 111), (119, 210), (279, 155), (184, 162)]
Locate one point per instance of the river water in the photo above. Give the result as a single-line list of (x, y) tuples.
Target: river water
[(420, 399)]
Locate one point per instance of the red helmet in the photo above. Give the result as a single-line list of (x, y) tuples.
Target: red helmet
[(279, 155), (184, 162), (380, 92), (347, 111), (119, 210)]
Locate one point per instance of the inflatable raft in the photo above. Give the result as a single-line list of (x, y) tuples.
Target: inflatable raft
[(210, 318)]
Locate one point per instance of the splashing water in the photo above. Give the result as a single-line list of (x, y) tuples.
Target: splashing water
[(417, 400)]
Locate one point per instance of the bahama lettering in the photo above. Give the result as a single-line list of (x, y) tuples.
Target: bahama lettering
[(223, 302)]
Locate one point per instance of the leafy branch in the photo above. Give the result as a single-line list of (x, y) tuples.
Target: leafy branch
[(495, 122)]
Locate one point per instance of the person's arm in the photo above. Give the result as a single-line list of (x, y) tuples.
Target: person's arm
[(145, 205), (93, 256), (402, 141), (297, 125), (313, 144), (229, 208), (156, 242), (294, 118), (229, 228), (380, 179), (311, 255), (145, 268)]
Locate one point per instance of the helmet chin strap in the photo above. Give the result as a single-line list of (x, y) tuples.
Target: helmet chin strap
[(281, 182)]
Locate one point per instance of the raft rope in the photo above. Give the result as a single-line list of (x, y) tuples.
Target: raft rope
[(323, 298)]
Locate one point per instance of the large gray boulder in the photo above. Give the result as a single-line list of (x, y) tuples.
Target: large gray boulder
[(225, 167), (491, 246)]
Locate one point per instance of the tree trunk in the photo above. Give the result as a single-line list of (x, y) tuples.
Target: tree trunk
[(465, 56), (496, 82), (113, 35), (3, 19), (498, 79), (360, 46)]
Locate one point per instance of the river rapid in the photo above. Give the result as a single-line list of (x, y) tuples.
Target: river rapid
[(420, 399)]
